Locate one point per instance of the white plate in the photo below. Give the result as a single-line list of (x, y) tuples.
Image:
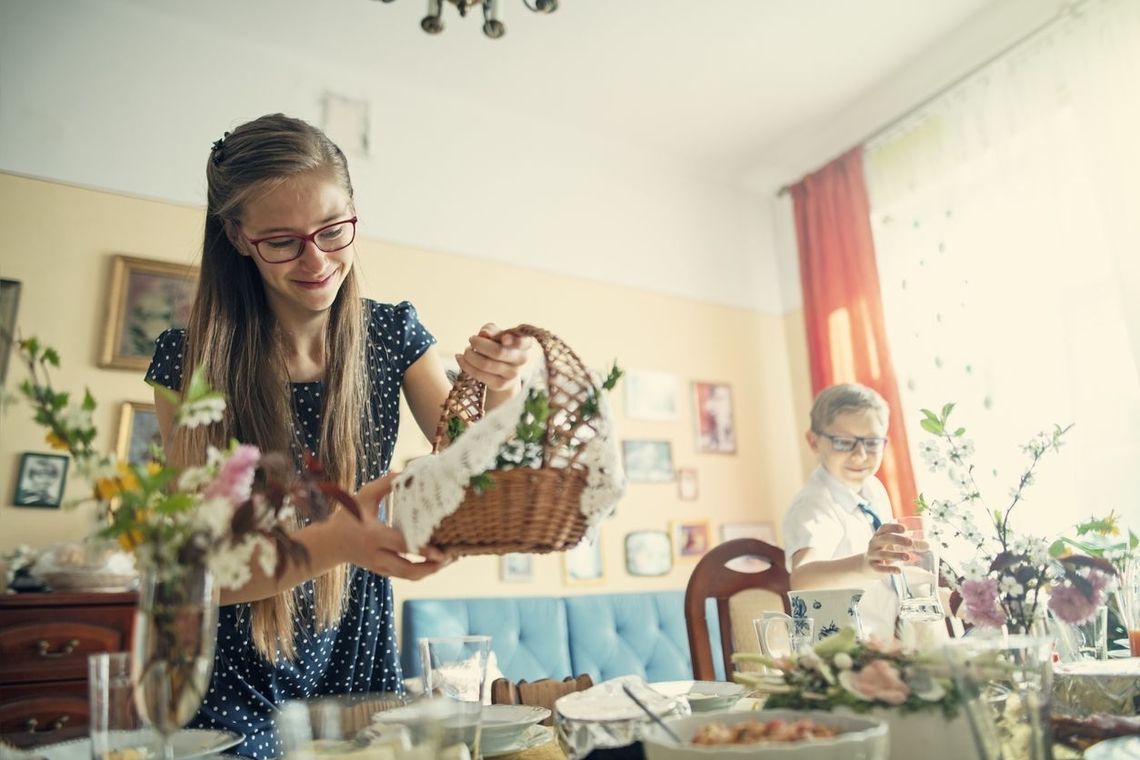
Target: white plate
[(1120, 642), (187, 743), (1119, 654), (501, 722), (703, 696), (535, 736), (1119, 748)]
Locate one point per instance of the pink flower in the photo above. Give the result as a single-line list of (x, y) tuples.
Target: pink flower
[(235, 478), (878, 679), (1070, 604), (980, 596)]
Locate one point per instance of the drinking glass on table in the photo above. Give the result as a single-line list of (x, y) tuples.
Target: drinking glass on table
[(455, 668), (114, 722), (917, 584)]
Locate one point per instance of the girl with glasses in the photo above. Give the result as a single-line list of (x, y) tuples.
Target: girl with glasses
[(279, 324)]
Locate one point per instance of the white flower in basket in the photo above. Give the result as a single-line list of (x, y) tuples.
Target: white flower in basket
[(537, 474)]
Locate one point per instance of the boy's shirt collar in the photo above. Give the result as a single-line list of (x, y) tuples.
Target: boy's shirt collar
[(842, 493)]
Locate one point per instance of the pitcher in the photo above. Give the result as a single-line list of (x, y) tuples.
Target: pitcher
[(830, 608)]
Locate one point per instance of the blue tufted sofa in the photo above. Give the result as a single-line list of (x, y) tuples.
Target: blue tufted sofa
[(605, 635)]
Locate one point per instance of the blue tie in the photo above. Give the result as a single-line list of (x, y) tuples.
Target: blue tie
[(876, 523)]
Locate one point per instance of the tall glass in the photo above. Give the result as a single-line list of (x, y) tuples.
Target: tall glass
[(1005, 684), (455, 668), (917, 584), (114, 721), (1126, 599), (173, 655)]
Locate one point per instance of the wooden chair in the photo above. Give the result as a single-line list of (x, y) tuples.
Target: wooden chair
[(712, 579), (540, 693)]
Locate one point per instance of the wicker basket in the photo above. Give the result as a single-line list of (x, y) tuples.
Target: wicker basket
[(526, 510)]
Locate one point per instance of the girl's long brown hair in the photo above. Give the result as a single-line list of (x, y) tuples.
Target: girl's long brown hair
[(234, 336)]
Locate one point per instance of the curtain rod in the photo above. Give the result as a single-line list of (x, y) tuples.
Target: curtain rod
[(1066, 10)]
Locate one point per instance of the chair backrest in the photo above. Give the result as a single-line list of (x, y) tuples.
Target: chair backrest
[(541, 693), (712, 580)]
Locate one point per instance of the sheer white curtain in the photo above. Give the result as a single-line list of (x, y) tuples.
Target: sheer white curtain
[(1007, 230)]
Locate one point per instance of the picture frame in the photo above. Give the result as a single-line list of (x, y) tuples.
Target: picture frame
[(764, 531), (144, 298), (716, 429), (687, 484), (138, 431), (651, 395), (584, 564), (691, 539), (648, 461), (41, 480), (648, 553), (516, 568), (9, 307)]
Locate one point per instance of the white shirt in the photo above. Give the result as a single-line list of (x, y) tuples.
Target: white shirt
[(825, 516)]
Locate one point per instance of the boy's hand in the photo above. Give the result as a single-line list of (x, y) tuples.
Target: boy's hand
[(887, 547)]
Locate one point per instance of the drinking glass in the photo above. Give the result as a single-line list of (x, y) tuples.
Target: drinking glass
[(798, 633), (455, 668), (917, 584), (1127, 598), (1082, 641), (338, 725), (114, 722), (1005, 684)]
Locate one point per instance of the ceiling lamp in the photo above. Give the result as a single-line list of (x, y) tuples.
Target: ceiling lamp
[(492, 26)]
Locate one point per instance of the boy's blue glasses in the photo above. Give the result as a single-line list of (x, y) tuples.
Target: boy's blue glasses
[(845, 443)]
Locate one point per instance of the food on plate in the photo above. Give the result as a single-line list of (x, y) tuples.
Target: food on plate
[(769, 731)]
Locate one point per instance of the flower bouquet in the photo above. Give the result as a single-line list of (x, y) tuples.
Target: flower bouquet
[(1012, 578), (190, 531)]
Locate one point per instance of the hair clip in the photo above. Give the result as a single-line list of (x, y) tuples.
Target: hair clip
[(219, 151)]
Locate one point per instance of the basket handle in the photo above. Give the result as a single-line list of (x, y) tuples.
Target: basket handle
[(564, 373)]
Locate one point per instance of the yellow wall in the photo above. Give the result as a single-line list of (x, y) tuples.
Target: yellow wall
[(58, 241)]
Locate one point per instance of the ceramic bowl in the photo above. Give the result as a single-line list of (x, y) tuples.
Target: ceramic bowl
[(703, 696), (861, 738)]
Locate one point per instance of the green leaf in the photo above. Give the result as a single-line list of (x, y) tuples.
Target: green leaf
[(51, 356), (611, 379), (88, 400), (932, 426), (198, 387), (1133, 540), (166, 393), (1057, 548), (946, 409), (959, 432)]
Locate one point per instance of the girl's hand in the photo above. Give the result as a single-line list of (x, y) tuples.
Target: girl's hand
[(886, 548), (495, 358), (370, 544)]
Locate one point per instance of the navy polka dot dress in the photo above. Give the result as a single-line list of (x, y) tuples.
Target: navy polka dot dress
[(360, 654)]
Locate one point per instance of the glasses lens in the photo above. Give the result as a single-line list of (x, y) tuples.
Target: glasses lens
[(335, 236), (842, 444), (874, 445), (277, 249)]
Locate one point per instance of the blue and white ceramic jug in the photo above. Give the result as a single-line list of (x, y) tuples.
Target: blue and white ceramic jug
[(829, 608)]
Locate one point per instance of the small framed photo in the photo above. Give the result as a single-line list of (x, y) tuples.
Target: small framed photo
[(516, 568), (41, 480), (138, 433), (583, 564), (716, 431), (651, 395), (9, 304), (648, 461), (145, 297), (759, 530), (692, 538), (687, 486), (648, 553)]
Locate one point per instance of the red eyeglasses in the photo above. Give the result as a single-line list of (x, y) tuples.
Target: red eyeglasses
[(280, 249)]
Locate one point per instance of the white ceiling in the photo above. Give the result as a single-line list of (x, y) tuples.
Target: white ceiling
[(726, 83)]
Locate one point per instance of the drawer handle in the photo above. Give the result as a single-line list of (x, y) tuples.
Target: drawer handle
[(43, 648), (32, 725)]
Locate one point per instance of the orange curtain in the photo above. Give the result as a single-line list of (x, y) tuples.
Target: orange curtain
[(843, 308)]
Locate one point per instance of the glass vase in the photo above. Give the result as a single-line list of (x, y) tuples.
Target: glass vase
[(173, 654)]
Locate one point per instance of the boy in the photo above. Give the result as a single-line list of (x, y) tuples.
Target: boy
[(837, 533)]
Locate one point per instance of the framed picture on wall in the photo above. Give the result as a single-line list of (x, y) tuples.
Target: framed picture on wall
[(651, 395), (687, 486), (716, 430), (583, 564), (692, 538), (138, 432), (41, 480), (648, 461), (9, 305), (516, 568), (648, 553), (144, 298)]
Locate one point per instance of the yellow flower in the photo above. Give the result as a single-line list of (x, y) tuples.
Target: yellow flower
[(107, 488), (56, 442), (153, 468), (130, 540), (128, 481)]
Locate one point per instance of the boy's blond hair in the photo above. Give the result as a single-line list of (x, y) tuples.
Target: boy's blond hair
[(845, 397)]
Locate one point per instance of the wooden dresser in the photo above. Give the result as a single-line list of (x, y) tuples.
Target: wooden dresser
[(44, 643)]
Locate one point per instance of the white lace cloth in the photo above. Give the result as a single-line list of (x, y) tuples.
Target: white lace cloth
[(431, 488)]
